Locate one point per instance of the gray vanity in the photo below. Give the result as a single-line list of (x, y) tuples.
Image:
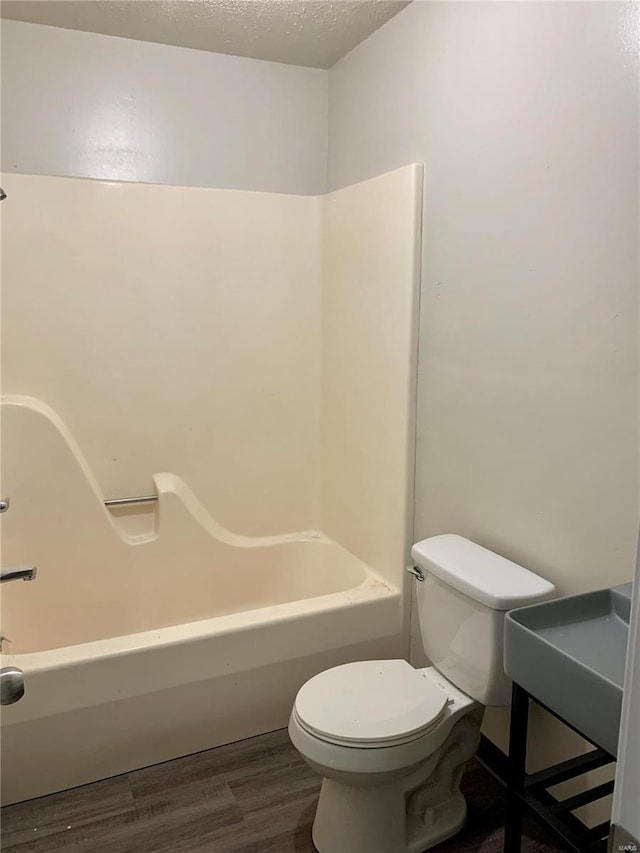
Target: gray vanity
[(567, 655)]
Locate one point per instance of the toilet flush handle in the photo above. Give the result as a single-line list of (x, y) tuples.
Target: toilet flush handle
[(417, 572)]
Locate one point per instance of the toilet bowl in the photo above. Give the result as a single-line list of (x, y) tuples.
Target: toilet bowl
[(388, 741), (391, 741)]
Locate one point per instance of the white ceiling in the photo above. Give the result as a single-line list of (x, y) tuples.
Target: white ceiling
[(299, 32)]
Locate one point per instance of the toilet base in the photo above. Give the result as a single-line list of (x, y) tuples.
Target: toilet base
[(377, 822), (403, 815), (450, 819)]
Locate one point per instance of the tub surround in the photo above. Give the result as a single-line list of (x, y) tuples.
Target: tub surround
[(172, 329), (368, 374), (262, 347)]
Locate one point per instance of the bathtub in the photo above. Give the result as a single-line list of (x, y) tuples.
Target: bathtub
[(95, 709), (141, 647)]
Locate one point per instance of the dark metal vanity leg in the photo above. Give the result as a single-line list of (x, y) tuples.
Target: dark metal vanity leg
[(517, 769)]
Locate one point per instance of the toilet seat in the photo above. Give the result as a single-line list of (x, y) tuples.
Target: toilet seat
[(370, 704)]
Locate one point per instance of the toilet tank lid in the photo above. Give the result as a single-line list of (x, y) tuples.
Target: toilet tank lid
[(479, 573)]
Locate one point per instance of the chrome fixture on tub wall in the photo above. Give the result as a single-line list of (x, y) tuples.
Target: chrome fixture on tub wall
[(25, 573), (11, 685), (12, 678)]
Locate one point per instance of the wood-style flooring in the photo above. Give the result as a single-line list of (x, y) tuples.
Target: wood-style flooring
[(255, 796)]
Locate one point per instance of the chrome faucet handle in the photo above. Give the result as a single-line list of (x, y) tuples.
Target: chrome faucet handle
[(5, 503)]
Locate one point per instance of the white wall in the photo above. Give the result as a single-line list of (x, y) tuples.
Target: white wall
[(526, 117), (94, 106)]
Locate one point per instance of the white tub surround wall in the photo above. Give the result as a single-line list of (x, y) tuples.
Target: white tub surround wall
[(371, 269), (173, 329), (94, 106), (262, 347), (198, 333)]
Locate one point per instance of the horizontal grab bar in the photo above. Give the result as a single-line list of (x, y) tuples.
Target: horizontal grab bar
[(143, 499)]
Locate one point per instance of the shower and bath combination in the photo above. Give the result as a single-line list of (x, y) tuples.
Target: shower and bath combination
[(162, 589)]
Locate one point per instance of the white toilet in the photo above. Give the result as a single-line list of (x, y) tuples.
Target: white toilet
[(390, 741)]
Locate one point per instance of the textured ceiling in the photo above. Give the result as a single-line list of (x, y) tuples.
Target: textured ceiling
[(300, 32)]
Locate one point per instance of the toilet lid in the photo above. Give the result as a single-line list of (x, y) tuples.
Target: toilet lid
[(370, 702)]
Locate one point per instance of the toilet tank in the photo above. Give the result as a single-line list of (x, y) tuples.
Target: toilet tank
[(461, 606)]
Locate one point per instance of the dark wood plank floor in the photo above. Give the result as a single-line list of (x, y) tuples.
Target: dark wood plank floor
[(255, 796)]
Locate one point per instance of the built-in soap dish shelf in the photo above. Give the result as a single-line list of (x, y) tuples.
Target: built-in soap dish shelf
[(136, 518)]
